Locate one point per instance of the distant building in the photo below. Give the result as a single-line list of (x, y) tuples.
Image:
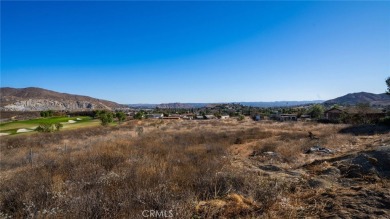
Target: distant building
[(210, 117), (155, 116), (225, 117), (188, 116), (171, 117), (305, 117), (287, 117), (369, 113), (257, 117), (199, 117)]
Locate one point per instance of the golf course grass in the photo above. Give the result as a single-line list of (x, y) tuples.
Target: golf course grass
[(19, 127)]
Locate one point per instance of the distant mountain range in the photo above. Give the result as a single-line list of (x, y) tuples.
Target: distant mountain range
[(361, 97), (38, 99), (168, 105), (200, 105), (280, 103), (376, 100)]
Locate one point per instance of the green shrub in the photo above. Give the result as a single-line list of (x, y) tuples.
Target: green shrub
[(48, 113), (121, 116), (49, 127)]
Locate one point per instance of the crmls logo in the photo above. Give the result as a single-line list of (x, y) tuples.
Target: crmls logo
[(157, 214)]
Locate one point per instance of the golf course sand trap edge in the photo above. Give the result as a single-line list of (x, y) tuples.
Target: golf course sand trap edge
[(71, 121), (3, 134), (23, 130)]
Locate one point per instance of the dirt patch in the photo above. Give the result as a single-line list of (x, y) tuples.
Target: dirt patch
[(232, 206)]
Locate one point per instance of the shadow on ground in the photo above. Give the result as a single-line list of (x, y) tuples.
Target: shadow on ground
[(366, 130)]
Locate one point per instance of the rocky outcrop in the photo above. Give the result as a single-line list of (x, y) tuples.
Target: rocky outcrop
[(37, 99), (43, 104)]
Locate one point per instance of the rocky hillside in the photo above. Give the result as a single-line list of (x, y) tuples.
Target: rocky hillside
[(362, 97), (37, 99)]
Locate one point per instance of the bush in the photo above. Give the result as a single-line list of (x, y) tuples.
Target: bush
[(241, 117), (49, 127), (316, 111), (385, 121)]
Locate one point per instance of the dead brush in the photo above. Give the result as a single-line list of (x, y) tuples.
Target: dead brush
[(112, 173)]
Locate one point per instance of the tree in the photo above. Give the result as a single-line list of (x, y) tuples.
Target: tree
[(121, 116), (388, 85), (105, 117), (140, 115), (363, 109), (48, 113), (316, 111)]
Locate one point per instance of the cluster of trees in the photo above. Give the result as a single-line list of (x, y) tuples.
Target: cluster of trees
[(47, 113), (140, 114), (316, 111), (107, 117)]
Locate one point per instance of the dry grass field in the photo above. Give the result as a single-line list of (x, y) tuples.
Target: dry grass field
[(197, 169)]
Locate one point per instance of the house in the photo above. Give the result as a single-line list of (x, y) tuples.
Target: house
[(155, 116), (370, 114), (225, 116), (188, 116), (287, 117), (305, 117), (171, 117), (210, 117), (199, 117)]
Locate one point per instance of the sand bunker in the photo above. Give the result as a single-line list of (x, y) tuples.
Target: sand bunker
[(78, 119), (23, 130), (71, 121), (2, 134)]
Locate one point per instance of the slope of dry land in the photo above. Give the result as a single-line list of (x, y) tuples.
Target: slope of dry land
[(198, 169)]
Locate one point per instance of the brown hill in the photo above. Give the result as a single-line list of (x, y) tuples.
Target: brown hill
[(37, 99), (361, 97)]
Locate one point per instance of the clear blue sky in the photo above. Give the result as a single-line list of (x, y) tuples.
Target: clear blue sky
[(153, 52)]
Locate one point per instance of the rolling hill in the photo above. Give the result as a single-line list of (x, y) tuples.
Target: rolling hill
[(361, 97), (37, 99)]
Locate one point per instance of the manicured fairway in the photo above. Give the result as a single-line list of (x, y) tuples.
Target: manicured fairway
[(18, 127)]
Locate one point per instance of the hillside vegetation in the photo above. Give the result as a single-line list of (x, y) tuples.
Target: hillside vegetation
[(197, 169)]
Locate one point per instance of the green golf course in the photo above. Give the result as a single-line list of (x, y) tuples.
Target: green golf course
[(26, 126)]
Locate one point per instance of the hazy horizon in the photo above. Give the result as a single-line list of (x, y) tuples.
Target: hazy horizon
[(197, 52)]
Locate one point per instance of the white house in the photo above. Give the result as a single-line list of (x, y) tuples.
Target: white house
[(155, 116), (225, 116)]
